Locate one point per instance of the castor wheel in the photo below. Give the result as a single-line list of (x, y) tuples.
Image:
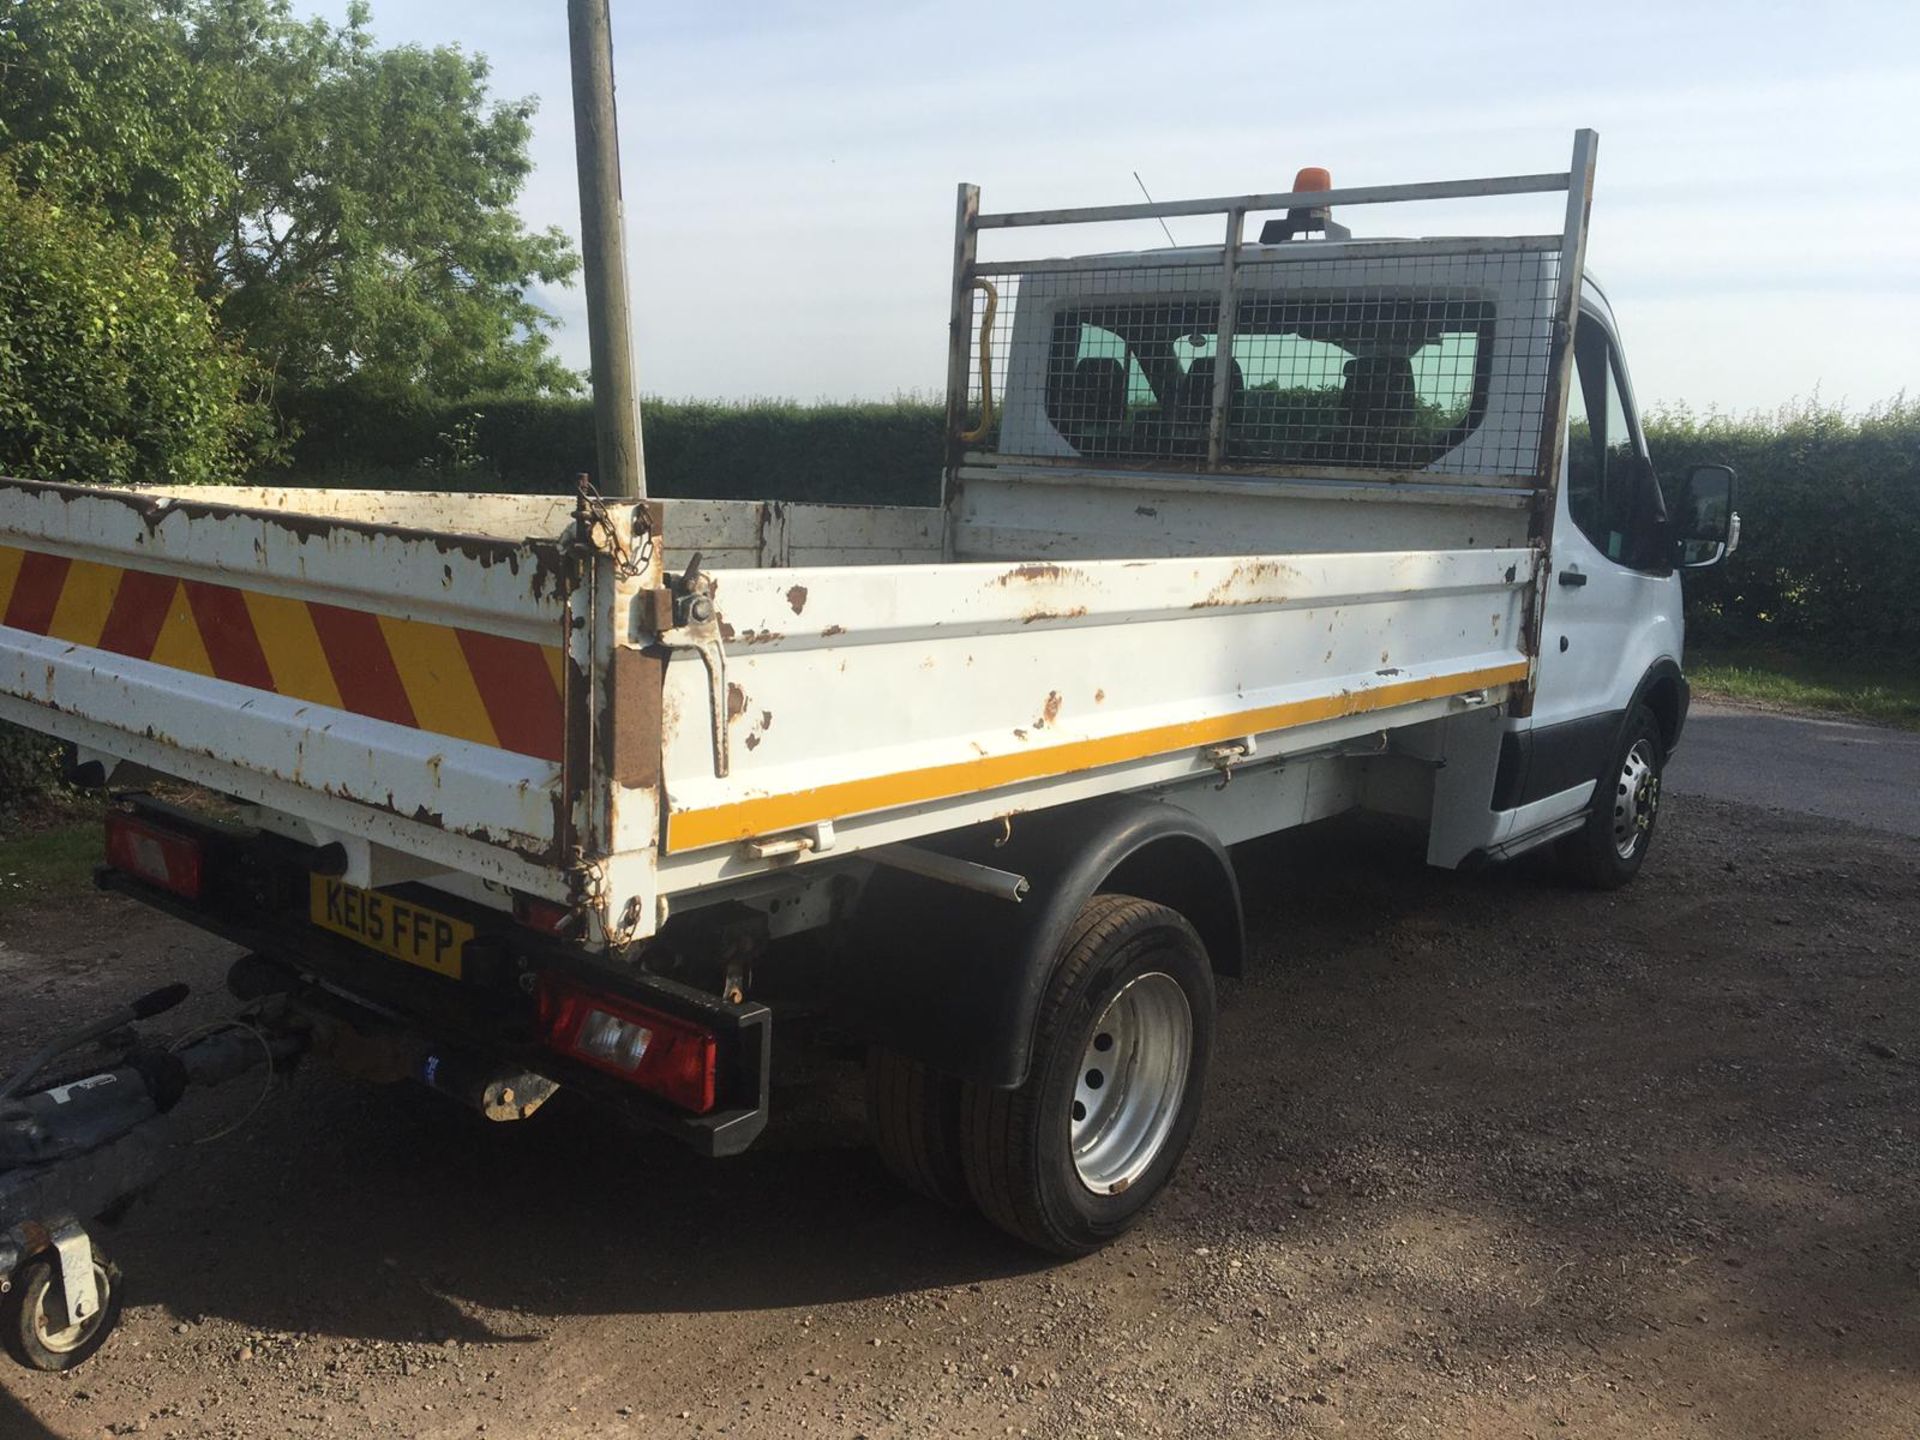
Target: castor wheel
[(31, 1311)]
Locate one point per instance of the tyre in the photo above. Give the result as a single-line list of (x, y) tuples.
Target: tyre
[(1609, 849), (1072, 1158), (913, 1116), (27, 1329)]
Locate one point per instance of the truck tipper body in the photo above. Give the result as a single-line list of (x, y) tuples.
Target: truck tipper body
[(1232, 538)]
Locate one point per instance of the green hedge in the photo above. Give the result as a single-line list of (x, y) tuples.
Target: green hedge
[(1829, 552), (880, 454), (1830, 502)]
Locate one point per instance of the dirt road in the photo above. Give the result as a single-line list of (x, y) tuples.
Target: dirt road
[(1483, 1156)]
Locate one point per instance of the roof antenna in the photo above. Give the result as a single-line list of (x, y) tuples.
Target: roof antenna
[(1161, 218)]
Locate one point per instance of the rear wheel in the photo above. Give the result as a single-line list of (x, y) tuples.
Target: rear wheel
[(1608, 851), (1072, 1158), (913, 1116)]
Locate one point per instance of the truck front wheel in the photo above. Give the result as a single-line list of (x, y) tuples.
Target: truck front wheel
[(1072, 1158), (1609, 849)]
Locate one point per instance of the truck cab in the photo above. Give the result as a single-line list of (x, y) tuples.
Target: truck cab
[(1612, 644), (1421, 375)]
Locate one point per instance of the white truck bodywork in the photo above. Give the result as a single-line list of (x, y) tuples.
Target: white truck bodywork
[(538, 791), (1056, 632)]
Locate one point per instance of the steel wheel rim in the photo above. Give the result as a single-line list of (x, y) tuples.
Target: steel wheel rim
[(65, 1342), (1132, 1078), (1636, 799)]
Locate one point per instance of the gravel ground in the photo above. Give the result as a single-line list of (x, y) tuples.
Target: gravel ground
[(1483, 1156)]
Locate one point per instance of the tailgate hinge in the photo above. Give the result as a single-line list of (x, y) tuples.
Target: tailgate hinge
[(696, 627)]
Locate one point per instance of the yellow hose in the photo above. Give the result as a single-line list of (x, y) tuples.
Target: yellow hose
[(970, 437)]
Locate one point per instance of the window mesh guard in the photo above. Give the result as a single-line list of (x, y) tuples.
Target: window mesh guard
[(1400, 360), (1428, 357)]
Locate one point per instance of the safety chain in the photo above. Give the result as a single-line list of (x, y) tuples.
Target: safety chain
[(590, 892), (591, 510)]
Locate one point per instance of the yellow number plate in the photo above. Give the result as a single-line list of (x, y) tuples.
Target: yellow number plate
[(398, 928)]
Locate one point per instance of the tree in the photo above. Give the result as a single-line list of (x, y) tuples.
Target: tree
[(349, 208), (99, 101), (110, 367)]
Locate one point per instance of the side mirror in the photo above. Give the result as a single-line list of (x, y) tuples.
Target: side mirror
[(1706, 527)]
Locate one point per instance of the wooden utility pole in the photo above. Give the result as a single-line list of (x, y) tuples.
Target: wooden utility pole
[(603, 253)]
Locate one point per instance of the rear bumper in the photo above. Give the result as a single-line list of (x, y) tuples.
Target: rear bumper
[(494, 1015)]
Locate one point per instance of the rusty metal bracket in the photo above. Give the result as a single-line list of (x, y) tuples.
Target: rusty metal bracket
[(1225, 758), (814, 839), (697, 628)]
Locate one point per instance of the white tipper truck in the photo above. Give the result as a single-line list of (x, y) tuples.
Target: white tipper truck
[(570, 791)]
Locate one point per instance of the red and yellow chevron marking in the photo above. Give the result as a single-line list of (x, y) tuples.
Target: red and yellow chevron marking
[(503, 693)]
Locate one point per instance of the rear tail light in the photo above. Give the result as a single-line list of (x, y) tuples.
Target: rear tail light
[(549, 917), (160, 857), (670, 1057)]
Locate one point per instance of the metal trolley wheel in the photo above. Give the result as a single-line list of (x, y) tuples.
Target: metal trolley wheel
[(31, 1333), (1133, 1076)]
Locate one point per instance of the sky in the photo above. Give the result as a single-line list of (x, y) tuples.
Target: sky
[(789, 169)]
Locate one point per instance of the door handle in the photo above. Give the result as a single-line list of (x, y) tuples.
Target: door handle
[(1572, 578)]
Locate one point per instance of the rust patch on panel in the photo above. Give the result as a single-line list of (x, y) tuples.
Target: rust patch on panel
[(669, 713), (1050, 712), (1039, 571), (1074, 614), (639, 689), (736, 701), (1099, 697), (797, 598), (833, 630), (1249, 583)]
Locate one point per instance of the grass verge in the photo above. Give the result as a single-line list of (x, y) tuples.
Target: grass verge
[(1885, 690), (57, 859)]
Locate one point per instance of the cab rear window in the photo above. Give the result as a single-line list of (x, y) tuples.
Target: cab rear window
[(1380, 382)]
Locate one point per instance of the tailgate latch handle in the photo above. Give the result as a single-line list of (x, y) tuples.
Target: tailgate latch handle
[(1225, 757), (697, 627)]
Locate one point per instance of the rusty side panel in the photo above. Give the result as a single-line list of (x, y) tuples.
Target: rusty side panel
[(486, 551), (574, 804), (639, 685), (655, 611)]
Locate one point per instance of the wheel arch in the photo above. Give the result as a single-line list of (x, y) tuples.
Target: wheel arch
[(1193, 876), (954, 978), (1665, 692)]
